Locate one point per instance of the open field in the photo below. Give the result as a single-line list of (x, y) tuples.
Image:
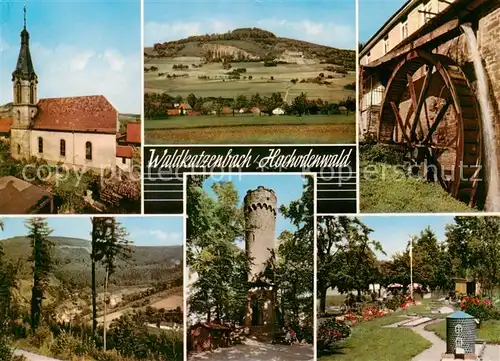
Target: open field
[(318, 129), (170, 302), (261, 80)]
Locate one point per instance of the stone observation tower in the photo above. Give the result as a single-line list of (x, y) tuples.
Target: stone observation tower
[(260, 239)]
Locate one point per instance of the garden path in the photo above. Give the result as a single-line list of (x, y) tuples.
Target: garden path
[(33, 356), (252, 350)]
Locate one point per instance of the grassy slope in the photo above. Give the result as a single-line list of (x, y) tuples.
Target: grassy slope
[(385, 188), (489, 331), (370, 341)]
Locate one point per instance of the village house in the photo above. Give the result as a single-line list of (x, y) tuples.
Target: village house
[(278, 111)]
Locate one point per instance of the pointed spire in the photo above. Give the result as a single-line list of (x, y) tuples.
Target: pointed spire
[(24, 68)]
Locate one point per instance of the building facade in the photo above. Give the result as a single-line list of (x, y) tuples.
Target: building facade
[(79, 132)]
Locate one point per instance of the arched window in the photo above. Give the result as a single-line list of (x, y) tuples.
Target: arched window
[(88, 151), (40, 145), (18, 93), (18, 149), (32, 94), (62, 148)]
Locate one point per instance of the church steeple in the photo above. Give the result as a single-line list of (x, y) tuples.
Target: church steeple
[(24, 68)]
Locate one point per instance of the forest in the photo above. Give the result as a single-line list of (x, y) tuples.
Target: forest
[(44, 313)]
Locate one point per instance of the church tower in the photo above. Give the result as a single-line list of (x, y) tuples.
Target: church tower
[(24, 82)]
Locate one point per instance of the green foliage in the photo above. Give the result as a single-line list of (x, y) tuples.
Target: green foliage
[(395, 302), (386, 188), (330, 332), (380, 153), (6, 353), (346, 256), (64, 345), (42, 336)]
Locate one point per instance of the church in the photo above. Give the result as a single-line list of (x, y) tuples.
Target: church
[(80, 132)]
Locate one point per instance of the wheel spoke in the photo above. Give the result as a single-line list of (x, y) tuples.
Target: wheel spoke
[(438, 119), (395, 109), (421, 99)]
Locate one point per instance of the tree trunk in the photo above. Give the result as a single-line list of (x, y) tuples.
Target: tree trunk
[(105, 307), (322, 300), (94, 300)]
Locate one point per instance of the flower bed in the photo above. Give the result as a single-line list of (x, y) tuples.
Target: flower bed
[(477, 307), (331, 332)]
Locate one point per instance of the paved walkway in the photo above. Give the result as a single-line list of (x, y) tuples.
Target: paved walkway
[(252, 350), (435, 352), (33, 356)]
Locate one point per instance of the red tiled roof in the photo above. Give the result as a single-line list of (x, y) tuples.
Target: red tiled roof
[(134, 133), (5, 125), (124, 151), (173, 111), (86, 113), (20, 197), (185, 106)]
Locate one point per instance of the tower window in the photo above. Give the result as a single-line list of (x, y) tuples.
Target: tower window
[(40, 145), (123, 160), (32, 94), (18, 93), (18, 149), (88, 151), (62, 148)]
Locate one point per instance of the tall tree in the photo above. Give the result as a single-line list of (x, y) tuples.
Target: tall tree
[(110, 244), (42, 258)]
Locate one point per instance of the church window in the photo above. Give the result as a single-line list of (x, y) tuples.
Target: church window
[(18, 93), (18, 149), (32, 94), (40, 145), (123, 160), (62, 147), (88, 151)]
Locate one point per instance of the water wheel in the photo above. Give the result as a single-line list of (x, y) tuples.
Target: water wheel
[(430, 109)]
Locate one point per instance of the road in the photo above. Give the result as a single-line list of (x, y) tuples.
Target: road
[(32, 356)]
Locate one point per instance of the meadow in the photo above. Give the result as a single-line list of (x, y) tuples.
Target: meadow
[(284, 129)]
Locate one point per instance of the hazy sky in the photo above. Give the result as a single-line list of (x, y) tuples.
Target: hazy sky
[(373, 14), (394, 232), (144, 231), (78, 48), (287, 188), (325, 22)]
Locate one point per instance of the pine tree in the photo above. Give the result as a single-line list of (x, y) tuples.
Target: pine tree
[(42, 258)]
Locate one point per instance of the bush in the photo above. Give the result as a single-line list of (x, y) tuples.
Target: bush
[(65, 345), (332, 331), (5, 349), (42, 336), (478, 308), (379, 153), (395, 302)]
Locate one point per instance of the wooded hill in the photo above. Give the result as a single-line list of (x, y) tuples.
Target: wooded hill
[(259, 43), (73, 264)]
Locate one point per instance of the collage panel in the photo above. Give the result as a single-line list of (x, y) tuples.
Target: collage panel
[(408, 288), (100, 288), (250, 264), (70, 107), (429, 106), (255, 72)]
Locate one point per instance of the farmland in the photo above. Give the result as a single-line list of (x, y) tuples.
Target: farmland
[(217, 86), (287, 129), (244, 70)]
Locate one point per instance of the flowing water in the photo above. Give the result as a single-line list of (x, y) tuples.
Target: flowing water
[(490, 148)]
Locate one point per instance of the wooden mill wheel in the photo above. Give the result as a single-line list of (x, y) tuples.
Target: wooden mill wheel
[(430, 108)]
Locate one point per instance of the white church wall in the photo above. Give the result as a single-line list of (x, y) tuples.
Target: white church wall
[(103, 148)]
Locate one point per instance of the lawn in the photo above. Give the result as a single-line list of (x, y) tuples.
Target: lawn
[(315, 129), (386, 188), (489, 331), (370, 341)]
